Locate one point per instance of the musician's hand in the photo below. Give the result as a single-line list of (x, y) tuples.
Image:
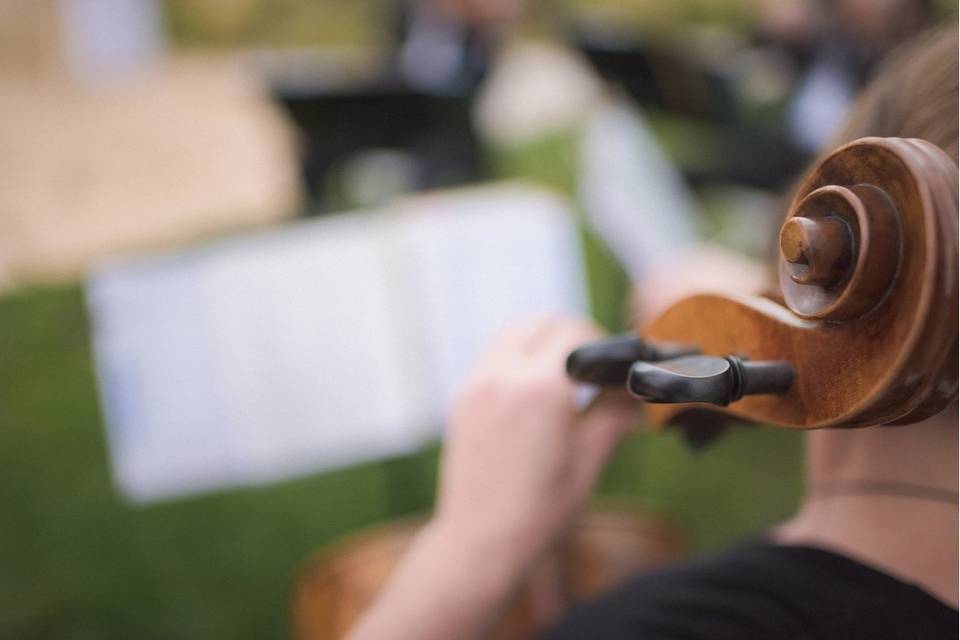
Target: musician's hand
[(519, 461), (520, 458)]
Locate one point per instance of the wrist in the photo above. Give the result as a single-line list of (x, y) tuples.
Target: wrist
[(450, 584), (493, 560)]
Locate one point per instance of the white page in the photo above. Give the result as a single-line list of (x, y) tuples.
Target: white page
[(252, 360), (482, 262), (309, 357), (322, 344)]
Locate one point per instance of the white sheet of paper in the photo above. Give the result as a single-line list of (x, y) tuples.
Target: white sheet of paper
[(320, 344)]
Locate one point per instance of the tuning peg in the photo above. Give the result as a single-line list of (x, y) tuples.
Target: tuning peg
[(707, 379), (607, 362)]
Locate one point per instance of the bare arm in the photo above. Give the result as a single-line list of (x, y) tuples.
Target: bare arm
[(519, 462)]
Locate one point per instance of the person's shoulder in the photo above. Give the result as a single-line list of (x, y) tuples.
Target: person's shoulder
[(762, 590)]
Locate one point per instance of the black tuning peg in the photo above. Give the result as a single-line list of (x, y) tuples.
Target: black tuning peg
[(607, 362), (707, 379)]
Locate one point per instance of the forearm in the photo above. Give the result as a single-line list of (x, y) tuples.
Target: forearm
[(519, 462), (451, 584)]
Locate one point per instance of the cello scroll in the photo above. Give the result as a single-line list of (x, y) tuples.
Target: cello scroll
[(867, 332)]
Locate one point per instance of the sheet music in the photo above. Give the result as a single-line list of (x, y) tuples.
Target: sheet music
[(476, 270), (320, 344)]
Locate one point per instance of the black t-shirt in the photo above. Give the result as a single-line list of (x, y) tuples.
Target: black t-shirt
[(763, 591)]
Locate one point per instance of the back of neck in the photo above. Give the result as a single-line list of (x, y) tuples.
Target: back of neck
[(853, 505)]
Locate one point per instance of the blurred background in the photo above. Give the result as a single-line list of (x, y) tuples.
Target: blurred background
[(218, 217)]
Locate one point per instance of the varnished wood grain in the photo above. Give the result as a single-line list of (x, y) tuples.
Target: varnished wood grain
[(877, 340), (818, 251)]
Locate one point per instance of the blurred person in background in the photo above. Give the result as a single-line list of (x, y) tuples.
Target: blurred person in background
[(836, 44), (445, 45), (871, 553)]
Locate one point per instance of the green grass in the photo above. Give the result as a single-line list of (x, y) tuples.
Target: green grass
[(748, 480)]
